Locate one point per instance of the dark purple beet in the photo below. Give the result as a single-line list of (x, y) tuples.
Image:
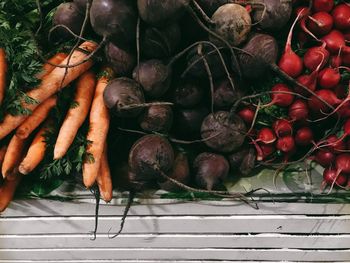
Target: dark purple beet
[(121, 92), (115, 19), (210, 170), (235, 159), (157, 118), (180, 172), (81, 4), (187, 95), (154, 76), (211, 56), (121, 61), (159, 12), (262, 51), (248, 162), (225, 95), (67, 14), (187, 122), (222, 132), (149, 153), (160, 42)]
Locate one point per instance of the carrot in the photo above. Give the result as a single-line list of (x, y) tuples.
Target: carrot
[(37, 117), (3, 72), (77, 115), (13, 156), (104, 179), (48, 67), (7, 191), (51, 84), (97, 134), (36, 152), (3, 150)]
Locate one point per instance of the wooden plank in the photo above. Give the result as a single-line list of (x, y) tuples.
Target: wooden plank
[(24, 208), (176, 254), (177, 241), (180, 224)]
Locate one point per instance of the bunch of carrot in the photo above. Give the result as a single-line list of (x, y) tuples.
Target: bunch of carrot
[(26, 149)]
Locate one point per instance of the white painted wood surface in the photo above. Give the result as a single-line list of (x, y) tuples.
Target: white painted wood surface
[(53, 231)]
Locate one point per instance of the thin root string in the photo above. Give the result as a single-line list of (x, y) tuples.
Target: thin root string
[(125, 214), (199, 9), (145, 105), (138, 43), (96, 192), (38, 4), (66, 28)]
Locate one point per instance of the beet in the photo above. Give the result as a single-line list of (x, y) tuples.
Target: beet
[(187, 95), (114, 19), (235, 159), (248, 162), (123, 92), (121, 61), (232, 22), (157, 118), (210, 170), (69, 15), (160, 42), (187, 122), (154, 76), (277, 14), (81, 4), (180, 172), (150, 154), (196, 64), (160, 13), (225, 95), (223, 132), (262, 50)]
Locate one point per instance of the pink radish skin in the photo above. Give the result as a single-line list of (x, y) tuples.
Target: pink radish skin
[(283, 99), (323, 5), (324, 157), (298, 111), (341, 16), (334, 41), (247, 115), (331, 177), (329, 78), (316, 55), (335, 61), (266, 136), (320, 23), (336, 144), (342, 163), (282, 127), (319, 107), (291, 63), (285, 144), (265, 150), (304, 136)]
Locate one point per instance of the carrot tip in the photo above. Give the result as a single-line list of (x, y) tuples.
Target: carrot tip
[(23, 170)]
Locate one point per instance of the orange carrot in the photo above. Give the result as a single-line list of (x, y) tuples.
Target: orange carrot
[(13, 156), (3, 72), (37, 117), (77, 115), (48, 67), (3, 150), (104, 179), (51, 84), (97, 134), (7, 191), (36, 152)]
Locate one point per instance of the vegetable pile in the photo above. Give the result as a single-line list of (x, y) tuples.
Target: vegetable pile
[(177, 95)]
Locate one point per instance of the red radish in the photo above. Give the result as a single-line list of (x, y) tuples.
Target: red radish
[(298, 111), (304, 136), (324, 157), (290, 62), (285, 144), (344, 110), (341, 15), (341, 91), (318, 106), (320, 23), (266, 136), (282, 127), (315, 56), (334, 41), (331, 177), (336, 61), (323, 5), (281, 96), (247, 115), (336, 144), (329, 78), (346, 56), (265, 150), (342, 103), (309, 81)]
